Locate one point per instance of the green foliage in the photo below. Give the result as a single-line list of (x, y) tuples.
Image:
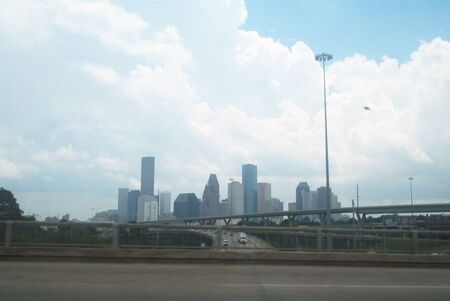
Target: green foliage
[(9, 208)]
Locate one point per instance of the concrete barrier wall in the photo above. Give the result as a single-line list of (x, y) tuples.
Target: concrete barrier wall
[(220, 256)]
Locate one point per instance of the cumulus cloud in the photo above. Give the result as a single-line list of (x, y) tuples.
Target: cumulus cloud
[(10, 170), (203, 107), (102, 74), (114, 27)]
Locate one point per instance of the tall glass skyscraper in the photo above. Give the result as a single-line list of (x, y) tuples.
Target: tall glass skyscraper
[(303, 196), (250, 187), (148, 176)]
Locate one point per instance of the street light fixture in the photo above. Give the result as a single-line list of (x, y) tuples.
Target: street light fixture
[(322, 58)]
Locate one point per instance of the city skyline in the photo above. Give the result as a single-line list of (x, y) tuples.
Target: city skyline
[(84, 98)]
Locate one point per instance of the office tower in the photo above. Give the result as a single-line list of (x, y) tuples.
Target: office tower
[(211, 197), (147, 208), (314, 200), (164, 202), (276, 205), (264, 195), (186, 205), (292, 206), (236, 197), (225, 207), (303, 196), (249, 180), (322, 198), (133, 197), (122, 205), (148, 176)]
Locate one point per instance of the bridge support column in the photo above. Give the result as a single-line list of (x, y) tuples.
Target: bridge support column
[(227, 221), (219, 238), (358, 217)]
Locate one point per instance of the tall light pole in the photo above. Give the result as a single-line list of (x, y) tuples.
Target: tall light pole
[(324, 57), (410, 189)]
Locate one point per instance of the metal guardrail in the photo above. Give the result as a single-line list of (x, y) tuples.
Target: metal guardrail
[(170, 236)]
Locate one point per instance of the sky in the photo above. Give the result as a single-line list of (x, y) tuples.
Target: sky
[(89, 87)]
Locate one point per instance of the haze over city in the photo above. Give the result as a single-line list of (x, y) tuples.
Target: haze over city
[(88, 88)]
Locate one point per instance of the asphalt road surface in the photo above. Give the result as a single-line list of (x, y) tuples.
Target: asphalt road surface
[(37, 281)]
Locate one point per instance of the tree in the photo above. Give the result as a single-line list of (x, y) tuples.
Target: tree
[(9, 208)]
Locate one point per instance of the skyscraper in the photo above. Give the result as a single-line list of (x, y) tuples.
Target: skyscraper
[(186, 205), (147, 208), (211, 197), (148, 176), (263, 196), (164, 202), (133, 196), (249, 180), (122, 205), (303, 196), (236, 197)]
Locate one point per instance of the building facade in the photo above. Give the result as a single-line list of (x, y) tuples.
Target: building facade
[(249, 183), (133, 197), (147, 208), (164, 202), (264, 195), (122, 205), (236, 197), (303, 196), (148, 176), (211, 197), (186, 205)]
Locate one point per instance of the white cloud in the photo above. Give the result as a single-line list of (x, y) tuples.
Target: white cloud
[(114, 27), (102, 74), (68, 153), (9, 170), (206, 96)]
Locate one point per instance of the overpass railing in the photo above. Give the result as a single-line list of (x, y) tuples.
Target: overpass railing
[(169, 236)]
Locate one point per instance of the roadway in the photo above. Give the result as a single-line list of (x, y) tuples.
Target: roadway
[(49, 281), (253, 242)]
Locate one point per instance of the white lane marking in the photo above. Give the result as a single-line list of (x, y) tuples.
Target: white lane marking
[(339, 285)]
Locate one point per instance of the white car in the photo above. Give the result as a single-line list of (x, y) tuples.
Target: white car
[(242, 238)]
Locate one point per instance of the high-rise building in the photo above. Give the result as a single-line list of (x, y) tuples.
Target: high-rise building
[(322, 199), (276, 205), (236, 197), (292, 206), (314, 200), (249, 183), (164, 202), (225, 207), (211, 197), (186, 205), (303, 196), (148, 176), (264, 195), (133, 197), (122, 205), (147, 208)]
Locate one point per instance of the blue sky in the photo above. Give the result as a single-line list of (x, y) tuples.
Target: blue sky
[(372, 28), (89, 87)]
